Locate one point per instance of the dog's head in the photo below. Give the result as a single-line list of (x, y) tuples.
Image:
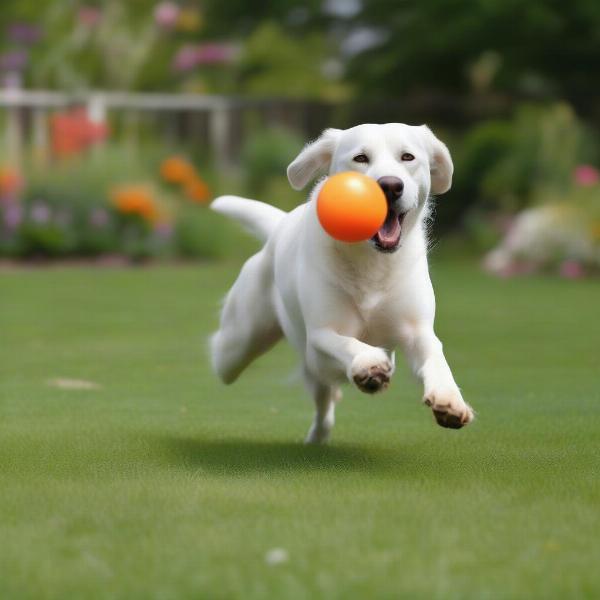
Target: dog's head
[(407, 161)]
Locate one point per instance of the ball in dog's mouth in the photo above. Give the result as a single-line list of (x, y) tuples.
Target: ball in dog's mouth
[(387, 239)]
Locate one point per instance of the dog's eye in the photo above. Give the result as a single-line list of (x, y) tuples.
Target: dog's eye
[(361, 158), (407, 156)]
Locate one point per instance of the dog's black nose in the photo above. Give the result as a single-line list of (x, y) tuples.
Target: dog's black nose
[(392, 187)]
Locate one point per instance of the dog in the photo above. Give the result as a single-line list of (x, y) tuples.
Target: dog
[(345, 308)]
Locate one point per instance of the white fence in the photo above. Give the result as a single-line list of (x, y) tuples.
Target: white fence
[(215, 121)]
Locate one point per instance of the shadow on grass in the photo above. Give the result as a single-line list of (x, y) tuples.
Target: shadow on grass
[(228, 456)]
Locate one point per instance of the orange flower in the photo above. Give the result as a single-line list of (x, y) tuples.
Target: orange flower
[(197, 190), (11, 182), (136, 200), (177, 170)]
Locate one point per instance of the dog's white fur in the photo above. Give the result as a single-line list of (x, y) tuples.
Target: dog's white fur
[(344, 307)]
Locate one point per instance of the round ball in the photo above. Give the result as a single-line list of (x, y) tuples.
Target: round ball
[(351, 207)]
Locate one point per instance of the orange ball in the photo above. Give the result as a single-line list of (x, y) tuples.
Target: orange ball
[(351, 207)]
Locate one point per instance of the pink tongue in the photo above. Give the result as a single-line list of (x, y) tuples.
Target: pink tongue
[(389, 232)]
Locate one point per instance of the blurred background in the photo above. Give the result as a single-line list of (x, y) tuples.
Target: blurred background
[(121, 120)]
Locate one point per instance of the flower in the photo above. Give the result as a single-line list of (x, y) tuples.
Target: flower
[(211, 54), (11, 182), (185, 59), (40, 212), (166, 14), (136, 200), (73, 131), (189, 57), (164, 230), (89, 16), (13, 216), (586, 175), (177, 170), (15, 60), (23, 33), (197, 190), (571, 269)]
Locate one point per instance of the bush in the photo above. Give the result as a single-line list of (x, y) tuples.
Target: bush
[(267, 154)]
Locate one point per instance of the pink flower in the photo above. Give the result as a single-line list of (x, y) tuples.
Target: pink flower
[(210, 54), (166, 14), (571, 269), (188, 57), (185, 59), (586, 175)]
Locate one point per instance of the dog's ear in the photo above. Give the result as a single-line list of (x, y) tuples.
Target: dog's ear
[(440, 162), (314, 157)]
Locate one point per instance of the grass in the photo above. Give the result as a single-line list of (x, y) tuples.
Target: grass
[(164, 484)]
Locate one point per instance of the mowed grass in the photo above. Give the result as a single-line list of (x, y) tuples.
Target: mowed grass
[(165, 484)]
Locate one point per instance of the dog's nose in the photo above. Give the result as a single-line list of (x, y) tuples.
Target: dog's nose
[(392, 187)]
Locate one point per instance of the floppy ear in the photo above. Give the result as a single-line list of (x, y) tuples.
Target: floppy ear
[(440, 162), (314, 157)]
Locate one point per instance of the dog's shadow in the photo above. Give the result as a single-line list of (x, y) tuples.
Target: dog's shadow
[(231, 455)]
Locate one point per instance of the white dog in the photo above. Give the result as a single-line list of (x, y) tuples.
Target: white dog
[(345, 307)]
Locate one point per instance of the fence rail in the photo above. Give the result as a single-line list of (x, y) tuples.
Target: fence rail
[(218, 122)]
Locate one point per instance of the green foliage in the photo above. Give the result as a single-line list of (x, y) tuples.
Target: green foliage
[(277, 63), (506, 165), (541, 49), (548, 143), (267, 153), (202, 234)]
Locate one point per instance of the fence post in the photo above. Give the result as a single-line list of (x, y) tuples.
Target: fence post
[(219, 136)]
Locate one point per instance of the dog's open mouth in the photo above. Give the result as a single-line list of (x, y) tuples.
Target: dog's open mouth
[(387, 239)]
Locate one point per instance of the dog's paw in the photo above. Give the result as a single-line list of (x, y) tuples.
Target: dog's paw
[(449, 409), (371, 371)]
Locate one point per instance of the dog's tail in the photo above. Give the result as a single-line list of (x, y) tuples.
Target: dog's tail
[(258, 218)]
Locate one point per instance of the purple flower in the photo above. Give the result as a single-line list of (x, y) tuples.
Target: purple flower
[(99, 218), (23, 33), (15, 60), (164, 230), (39, 213), (13, 215), (166, 14)]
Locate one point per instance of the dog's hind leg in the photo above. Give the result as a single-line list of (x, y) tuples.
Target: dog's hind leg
[(249, 325), (325, 397)]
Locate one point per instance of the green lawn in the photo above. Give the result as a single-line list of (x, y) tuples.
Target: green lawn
[(165, 484)]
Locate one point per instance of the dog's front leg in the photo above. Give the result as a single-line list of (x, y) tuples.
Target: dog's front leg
[(331, 356), (441, 393)]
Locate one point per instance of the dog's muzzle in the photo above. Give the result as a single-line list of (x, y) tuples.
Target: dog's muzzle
[(387, 239)]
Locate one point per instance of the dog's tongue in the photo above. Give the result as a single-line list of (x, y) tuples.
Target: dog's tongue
[(389, 233)]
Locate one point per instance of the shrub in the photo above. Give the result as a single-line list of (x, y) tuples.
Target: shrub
[(266, 154)]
